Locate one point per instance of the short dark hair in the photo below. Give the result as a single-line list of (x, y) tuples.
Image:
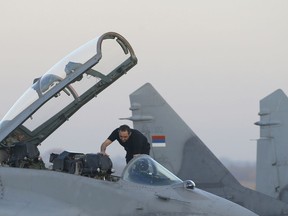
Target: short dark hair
[(125, 128)]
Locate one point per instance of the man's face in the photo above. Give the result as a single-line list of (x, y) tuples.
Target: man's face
[(124, 136)]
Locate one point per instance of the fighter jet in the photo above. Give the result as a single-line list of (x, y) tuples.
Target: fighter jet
[(180, 150), (272, 148), (84, 184)]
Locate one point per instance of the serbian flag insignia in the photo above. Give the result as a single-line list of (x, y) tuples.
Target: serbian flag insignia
[(158, 141)]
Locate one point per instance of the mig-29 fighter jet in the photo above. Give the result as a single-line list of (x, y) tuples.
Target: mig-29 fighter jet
[(74, 186)]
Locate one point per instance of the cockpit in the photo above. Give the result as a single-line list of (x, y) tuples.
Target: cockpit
[(142, 169), (145, 170)]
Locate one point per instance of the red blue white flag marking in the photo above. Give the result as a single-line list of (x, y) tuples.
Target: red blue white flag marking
[(158, 141)]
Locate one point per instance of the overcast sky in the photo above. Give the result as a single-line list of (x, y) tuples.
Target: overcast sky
[(212, 61)]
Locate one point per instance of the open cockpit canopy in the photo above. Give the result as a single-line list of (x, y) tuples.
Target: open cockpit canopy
[(54, 97)]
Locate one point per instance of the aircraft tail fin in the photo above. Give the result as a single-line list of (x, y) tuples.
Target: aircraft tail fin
[(172, 139), (272, 146), (181, 151)]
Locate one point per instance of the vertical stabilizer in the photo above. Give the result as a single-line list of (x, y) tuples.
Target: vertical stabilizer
[(180, 150), (272, 146), (173, 142)]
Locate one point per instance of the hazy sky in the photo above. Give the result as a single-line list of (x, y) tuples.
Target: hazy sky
[(212, 61)]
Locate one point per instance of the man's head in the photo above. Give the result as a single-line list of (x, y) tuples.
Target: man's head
[(124, 132)]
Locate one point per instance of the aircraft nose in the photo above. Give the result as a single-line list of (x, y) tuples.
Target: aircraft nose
[(219, 206), (237, 210)]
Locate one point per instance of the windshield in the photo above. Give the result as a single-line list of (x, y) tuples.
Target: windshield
[(144, 170)]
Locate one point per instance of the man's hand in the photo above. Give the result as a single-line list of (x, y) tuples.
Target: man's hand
[(104, 153)]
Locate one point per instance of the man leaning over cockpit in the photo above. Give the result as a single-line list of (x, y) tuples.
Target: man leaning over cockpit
[(133, 141)]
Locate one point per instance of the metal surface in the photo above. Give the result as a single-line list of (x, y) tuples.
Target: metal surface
[(44, 192)]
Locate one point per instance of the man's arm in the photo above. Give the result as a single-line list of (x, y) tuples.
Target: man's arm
[(104, 145)]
